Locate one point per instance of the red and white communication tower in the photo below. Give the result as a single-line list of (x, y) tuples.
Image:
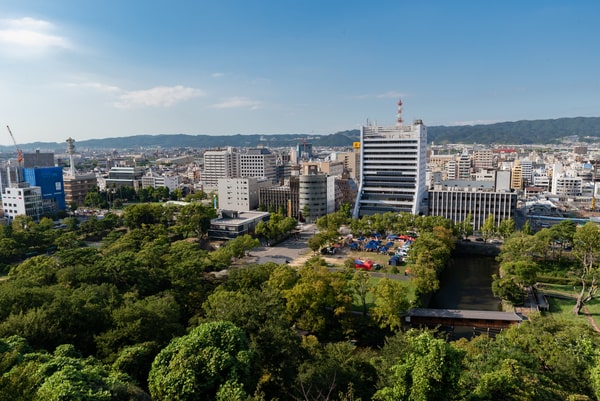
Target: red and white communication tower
[(399, 121)]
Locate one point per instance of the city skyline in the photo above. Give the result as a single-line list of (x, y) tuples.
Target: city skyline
[(111, 69)]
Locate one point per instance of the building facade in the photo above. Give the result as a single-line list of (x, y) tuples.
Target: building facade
[(220, 164), (457, 204), (284, 197), (232, 224), (153, 180), (312, 196), (124, 177), (483, 159), (393, 168), (50, 181), (77, 187), (240, 194), (22, 200), (38, 159), (260, 162)]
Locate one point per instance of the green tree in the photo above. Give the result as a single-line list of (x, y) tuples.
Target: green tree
[(136, 360), (361, 287), (317, 241), (9, 250), (390, 301), (69, 377), (427, 368), (587, 249), (427, 257), (317, 298), (139, 215), (261, 314), (563, 233), (520, 246), (151, 319), (72, 223), (508, 288), (67, 240), (197, 365), (506, 228), (187, 263), (94, 199), (465, 228), (194, 219), (333, 368), (488, 229)]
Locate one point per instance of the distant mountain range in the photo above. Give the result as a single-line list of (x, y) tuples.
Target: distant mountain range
[(510, 133)]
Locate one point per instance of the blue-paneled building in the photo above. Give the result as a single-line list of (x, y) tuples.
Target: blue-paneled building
[(50, 180)]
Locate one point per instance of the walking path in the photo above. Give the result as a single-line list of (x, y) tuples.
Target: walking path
[(585, 310), (590, 319)]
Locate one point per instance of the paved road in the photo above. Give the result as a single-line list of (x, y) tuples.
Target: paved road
[(288, 250)]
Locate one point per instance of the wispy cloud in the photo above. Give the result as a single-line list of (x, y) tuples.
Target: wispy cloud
[(390, 95), (237, 103), (217, 74), (30, 37), (97, 86), (160, 96), (384, 95)]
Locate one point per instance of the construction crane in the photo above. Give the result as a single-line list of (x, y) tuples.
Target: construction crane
[(19, 155)]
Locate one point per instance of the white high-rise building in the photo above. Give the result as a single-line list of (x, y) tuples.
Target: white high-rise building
[(21, 199), (260, 162), (220, 164), (527, 171), (241, 194), (393, 168), (464, 167)]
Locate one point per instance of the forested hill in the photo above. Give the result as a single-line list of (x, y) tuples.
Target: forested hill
[(517, 132)]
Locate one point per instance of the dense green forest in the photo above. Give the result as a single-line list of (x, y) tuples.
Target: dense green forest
[(517, 133), (142, 316)]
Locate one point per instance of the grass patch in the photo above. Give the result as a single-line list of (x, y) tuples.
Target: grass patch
[(563, 309), (370, 298), (561, 289)]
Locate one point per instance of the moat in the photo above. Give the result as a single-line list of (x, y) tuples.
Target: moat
[(466, 283)]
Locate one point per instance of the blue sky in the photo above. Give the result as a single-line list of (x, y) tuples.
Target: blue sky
[(106, 68)]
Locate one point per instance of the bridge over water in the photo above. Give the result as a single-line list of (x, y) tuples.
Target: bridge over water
[(479, 320)]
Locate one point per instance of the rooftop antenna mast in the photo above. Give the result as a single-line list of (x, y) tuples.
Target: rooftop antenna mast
[(399, 121), (19, 157)]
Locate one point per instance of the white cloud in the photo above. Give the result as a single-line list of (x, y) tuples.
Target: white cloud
[(390, 95), (385, 95), (238, 102), (160, 96), (217, 74), (28, 36), (97, 86)]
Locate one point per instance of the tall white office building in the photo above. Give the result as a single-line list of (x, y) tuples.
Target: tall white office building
[(220, 164), (392, 169), (259, 162)]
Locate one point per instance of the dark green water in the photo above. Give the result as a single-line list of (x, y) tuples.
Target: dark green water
[(467, 284)]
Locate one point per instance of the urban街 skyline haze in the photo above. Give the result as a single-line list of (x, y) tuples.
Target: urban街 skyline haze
[(99, 69)]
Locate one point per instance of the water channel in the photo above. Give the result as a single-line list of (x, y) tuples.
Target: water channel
[(466, 283)]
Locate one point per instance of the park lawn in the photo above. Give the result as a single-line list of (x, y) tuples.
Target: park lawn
[(563, 309), (562, 289), (370, 299)]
